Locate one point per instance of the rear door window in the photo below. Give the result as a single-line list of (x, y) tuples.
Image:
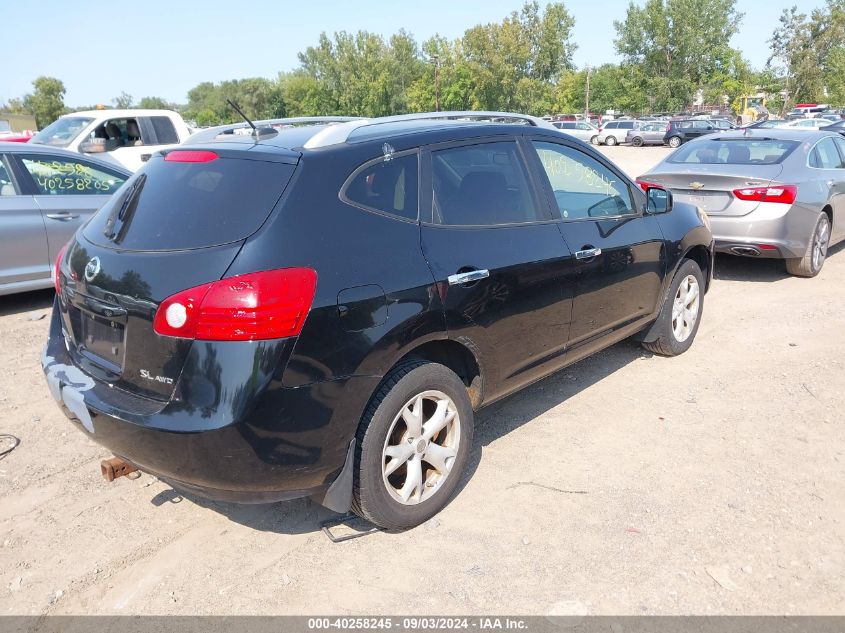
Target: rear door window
[(58, 176), (165, 132), (385, 186), (482, 185), (173, 205), (825, 155)]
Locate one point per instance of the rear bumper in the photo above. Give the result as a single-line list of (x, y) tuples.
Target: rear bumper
[(255, 441), (787, 228)]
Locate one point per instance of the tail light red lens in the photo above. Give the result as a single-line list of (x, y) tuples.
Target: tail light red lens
[(644, 184), (190, 156), (785, 194), (57, 278), (255, 306)]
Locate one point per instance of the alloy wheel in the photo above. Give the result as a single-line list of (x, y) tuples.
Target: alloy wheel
[(685, 308), (820, 242), (421, 447)]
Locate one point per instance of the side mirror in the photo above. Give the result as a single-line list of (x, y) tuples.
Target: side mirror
[(93, 146), (658, 200)]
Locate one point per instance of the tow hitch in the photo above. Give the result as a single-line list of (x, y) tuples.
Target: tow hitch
[(115, 467)]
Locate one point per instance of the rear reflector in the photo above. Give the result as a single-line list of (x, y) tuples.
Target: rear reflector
[(785, 194), (766, 247), (190, 156), (255, 306), (57, 277)]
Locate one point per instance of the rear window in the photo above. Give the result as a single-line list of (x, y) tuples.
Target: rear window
[(176, 205), (734, 152), (164, 130)]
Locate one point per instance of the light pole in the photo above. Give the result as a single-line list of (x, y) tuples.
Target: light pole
[(587, 100), (435, 60)]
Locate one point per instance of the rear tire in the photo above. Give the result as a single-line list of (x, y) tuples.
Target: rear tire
[(680, 317), (412, 445), (811, 264), (675, 141), (637, 142), (610, 140)]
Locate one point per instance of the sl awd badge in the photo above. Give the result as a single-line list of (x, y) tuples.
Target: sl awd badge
[(162, 379), (92, 269)]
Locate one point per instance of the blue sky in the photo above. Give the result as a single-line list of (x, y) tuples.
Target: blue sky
[(156, 48)]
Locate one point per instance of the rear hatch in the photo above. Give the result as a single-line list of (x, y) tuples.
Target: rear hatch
[(707, 173), (177, 224)]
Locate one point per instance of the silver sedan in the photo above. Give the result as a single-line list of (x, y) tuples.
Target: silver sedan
[(45, 195), (768, 193)]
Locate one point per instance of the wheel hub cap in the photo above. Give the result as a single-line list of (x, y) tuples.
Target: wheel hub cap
[(685, 308), (421, 447)]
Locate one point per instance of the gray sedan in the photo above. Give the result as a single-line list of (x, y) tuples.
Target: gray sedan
[(45, 195), (768, 193)]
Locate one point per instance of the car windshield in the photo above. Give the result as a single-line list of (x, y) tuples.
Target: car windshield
[(62, 131), (739, 151)]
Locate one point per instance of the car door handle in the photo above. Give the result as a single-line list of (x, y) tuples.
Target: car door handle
[(460, 279), (587, 253), (63, 216)]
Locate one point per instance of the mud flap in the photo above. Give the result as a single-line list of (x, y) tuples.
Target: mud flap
[(338, 497)]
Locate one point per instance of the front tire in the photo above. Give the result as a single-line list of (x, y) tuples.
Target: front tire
[(675, 141), (412, 445), (610, 140), (595, 140), (637, 142), (680, 317), (811, 264)]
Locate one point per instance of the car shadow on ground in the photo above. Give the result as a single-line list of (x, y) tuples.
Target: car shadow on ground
[(302, 516), (26, 302), (735, 268)]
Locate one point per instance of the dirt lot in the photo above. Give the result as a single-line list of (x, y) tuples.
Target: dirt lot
[(710, 483)]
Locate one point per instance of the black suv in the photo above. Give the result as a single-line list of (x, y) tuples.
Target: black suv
[(319, 310), (680, 131)]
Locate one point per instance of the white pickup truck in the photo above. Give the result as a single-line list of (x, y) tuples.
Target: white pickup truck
[(125, 137)]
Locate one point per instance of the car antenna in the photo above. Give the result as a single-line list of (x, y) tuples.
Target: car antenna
[(245, 117), (256, 132)]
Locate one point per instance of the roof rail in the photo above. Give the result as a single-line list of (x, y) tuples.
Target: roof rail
[(338, 134), (242, 127)]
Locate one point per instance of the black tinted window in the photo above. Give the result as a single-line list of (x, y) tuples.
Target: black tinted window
[(164, 130), (178, 205), (389, 186), (481, 185)]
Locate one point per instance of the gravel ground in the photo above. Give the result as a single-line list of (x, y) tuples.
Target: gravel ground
[(710, 483)]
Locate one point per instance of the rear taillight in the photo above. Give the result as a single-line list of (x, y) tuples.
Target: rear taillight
[(57, 277), (644, 184), (190, 156), (784, 194), (255, 306)]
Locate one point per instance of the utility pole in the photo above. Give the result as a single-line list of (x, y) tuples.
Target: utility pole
[(435, 59), (587, 101)]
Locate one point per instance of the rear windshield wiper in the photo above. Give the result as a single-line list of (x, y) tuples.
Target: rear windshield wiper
[(118, 220)]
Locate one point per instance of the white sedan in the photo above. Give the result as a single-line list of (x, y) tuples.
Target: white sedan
[(804, 124)]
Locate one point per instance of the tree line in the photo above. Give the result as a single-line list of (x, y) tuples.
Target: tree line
[(672, 51)]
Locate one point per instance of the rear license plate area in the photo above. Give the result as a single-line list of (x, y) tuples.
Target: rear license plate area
[(102, 341)]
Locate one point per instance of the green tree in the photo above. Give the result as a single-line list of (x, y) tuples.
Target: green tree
[(680, 45), (123, 100), (156, 103), (809, 52), (46, 101)]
